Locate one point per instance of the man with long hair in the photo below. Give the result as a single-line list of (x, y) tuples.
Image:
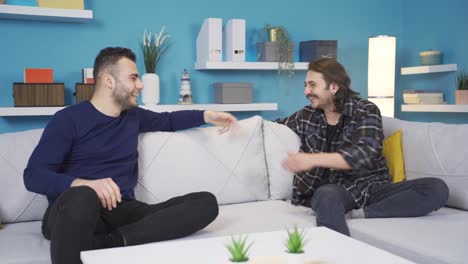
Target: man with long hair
[(340, 168)]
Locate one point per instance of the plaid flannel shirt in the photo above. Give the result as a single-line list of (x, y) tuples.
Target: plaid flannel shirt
[(358, 139)]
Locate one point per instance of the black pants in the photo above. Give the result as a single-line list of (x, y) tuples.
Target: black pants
[(77, 221), (405, 199)]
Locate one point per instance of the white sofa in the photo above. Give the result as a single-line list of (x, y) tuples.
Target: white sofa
[(242, 168)]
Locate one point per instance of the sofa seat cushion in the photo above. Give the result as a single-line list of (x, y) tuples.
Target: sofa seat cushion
[(440, 237), (231, 165), (254, 217), (23, 243)]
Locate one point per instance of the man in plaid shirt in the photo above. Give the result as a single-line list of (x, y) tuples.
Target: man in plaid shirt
[(340, 168)]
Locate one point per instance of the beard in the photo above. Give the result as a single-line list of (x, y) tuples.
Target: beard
[(122, 97)]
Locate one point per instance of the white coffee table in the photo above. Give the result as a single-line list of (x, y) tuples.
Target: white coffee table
[(324, 246)]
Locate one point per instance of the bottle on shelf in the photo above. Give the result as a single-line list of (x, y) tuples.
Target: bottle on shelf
[(185, 94)]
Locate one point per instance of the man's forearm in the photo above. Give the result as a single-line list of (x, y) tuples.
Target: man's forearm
[(330, 160)]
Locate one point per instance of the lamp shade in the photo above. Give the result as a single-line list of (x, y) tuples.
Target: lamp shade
[(381, 73)]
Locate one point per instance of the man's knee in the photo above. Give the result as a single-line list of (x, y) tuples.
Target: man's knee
[(438, 190), (78, 202), (210, 204), (329, 195)]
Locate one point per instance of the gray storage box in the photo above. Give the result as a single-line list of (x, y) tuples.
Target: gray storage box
[(268, 51), (233, 93), (317, 49)]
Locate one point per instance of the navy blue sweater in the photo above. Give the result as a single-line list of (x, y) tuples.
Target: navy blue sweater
[(81, 142)]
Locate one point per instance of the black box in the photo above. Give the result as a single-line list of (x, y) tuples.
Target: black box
[(317, 49), (83, 92), (39, 94)]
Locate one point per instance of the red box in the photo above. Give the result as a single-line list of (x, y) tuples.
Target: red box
[(36, 75)]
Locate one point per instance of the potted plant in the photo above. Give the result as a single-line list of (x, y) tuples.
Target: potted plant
[(154, 46), (461, 95), (295, 246), (278, 48), (239, 249)]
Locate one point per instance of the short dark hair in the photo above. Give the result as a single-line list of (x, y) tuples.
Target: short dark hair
[(334, 72), (109, 57)]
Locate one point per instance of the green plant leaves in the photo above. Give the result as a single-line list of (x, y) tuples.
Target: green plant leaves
[(153, 47), (238, 249), (295, 241), (462, 80)]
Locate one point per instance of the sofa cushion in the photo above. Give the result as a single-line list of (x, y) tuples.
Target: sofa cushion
[(435, 150), (279, 140), (262, 216), (23, 243), (16, 203), (393, 153), (231, 165), (440, 237)]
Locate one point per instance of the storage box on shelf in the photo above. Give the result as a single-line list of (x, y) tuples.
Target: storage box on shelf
[(83, 92), (317, 49), (38, 94)]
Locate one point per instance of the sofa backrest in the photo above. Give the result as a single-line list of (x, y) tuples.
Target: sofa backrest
[(231, 165), (279, 140), (435, 150), (16, 203), (241, 165)]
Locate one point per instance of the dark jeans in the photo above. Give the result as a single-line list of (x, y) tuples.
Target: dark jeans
[(77, 222), (405, 199)]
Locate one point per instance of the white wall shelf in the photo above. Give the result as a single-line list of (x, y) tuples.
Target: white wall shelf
[(45, 14), (47, 111), (429, 69), (452, 108), (227, 65)]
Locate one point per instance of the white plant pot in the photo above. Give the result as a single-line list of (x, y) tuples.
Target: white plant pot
[(295, 258), (150, 92)]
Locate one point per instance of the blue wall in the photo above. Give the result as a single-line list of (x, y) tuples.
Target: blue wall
[(69, 47), (438, 26)]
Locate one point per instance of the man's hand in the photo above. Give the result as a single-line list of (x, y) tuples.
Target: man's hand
[(224, 120), (106, 189), (296, 162)]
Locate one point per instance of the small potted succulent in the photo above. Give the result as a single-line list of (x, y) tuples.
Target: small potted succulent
[(461, 95), (295, 246), (239, 249)]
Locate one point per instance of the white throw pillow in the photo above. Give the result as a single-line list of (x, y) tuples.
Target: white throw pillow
[(231, 165), (279, 140)]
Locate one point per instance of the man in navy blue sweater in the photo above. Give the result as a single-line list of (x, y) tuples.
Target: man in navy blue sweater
[(86, 163)]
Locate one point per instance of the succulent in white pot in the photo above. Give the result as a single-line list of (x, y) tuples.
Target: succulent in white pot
[(295, 243), (461, 95)]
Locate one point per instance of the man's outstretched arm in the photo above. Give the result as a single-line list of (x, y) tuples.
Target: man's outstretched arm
[(300, 161)]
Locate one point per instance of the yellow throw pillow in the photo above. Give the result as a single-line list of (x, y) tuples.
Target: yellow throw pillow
[(393, 153)]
